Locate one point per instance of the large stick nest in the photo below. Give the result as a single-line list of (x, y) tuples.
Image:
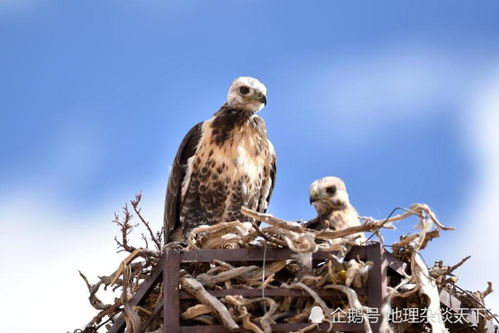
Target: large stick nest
[(417, 289)]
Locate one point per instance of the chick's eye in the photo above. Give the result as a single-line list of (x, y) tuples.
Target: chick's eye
[(331, 190), (244, 90)]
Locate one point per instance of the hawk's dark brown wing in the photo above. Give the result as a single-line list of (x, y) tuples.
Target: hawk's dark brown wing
[(186, 149), (273, 171)]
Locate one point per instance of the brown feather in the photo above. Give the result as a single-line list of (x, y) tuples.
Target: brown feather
[(186, 149), (233, 164)]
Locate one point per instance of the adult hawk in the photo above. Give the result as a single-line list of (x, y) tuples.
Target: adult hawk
[(222, 164)]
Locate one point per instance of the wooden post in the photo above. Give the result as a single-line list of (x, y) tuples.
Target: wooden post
[(171, 301), (144, 291), (377, 281)]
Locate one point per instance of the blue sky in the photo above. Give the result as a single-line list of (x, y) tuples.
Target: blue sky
[(395, 98)]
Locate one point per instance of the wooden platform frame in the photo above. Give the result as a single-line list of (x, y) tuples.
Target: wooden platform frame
[(169, 273)]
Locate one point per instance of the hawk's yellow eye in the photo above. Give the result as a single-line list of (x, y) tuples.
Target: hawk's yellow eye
[(244, 90)]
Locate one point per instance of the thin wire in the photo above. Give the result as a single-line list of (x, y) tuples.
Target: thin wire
[(480, 303), (384, 222), (263, 272)]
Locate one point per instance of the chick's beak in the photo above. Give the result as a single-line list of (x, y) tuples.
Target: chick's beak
[(313, 194), (263, 99), (313, 198)]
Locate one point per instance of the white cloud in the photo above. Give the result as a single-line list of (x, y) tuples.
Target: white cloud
[(479, 232), (392, 81), (368, 92), (42, 249)]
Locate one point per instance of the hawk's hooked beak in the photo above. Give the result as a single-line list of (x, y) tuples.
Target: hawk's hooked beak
[(263, 99), (314, 198), (314, 194)]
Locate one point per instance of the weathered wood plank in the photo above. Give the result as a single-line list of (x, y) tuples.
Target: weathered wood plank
[(171, 299), (142, 293), (377, 282), (395, 263)]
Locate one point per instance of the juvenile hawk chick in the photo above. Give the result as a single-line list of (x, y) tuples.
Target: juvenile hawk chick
[(334, 211)]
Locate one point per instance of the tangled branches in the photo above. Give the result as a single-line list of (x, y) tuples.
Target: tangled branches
[(130, 274), (320, 292)]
